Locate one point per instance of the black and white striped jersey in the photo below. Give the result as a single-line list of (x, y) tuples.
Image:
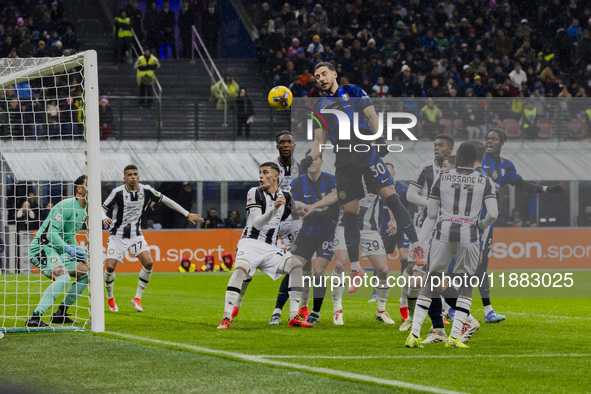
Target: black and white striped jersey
[(287, 174), (128, 207), (461, 193), (258, 198), (424, 177)]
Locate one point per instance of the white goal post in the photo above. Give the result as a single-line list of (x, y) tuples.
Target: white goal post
[(49, 135)]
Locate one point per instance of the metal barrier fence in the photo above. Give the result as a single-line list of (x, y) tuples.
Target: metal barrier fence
[(198, 118)]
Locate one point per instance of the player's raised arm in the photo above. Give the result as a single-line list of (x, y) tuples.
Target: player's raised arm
[(191, 217), (328, 200), (319, 140)]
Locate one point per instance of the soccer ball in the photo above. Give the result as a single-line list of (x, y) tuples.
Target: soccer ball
[(280, 98)]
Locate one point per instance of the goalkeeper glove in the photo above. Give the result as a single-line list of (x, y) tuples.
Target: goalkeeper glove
[(143, 68), (554, 189), (76, 252), (305, 164)]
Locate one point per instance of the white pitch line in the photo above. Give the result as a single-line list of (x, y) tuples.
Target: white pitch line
[(429, 356), (262, 360), (548, 316)]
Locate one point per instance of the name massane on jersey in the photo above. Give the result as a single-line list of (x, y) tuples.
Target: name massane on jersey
[(462, 179)]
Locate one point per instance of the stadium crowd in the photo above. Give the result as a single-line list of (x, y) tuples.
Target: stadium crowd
[(510, 48), (35, 29), (421, 49)]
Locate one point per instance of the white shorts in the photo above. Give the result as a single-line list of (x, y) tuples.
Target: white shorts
[(117, 247), (467, 256), (370, 242), (268, 258)]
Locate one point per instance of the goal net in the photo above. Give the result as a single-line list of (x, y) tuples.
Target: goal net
[(49, 137)]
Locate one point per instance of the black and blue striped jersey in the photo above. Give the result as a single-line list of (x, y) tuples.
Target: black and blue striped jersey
[(351, 100), (502, 172), (308, 192)]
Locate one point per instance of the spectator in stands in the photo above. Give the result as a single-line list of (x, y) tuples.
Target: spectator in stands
[(186, 265), (168, 23), (211, 22), (27, 48), (70, 41), (227, 89), (515, 220), (517, 76), (430, 118), (234, 221), (315, 46), (58, 49), (152, 25), (289, 74), (380, 88), (7, 46), (105, 119), (584, 219), (478, 88), (135, 16), (293, 49), (244, 113), (528, 122), (276, 67), (45, 211), (297, 89), (321, 17), (185, 22), (27, 218), (145, 76), (123, 37), (213, 220), (300, 62), (185, 198), (575, 31), (42, 50)]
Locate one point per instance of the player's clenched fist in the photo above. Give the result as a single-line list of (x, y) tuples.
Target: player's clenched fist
[(279, 202)]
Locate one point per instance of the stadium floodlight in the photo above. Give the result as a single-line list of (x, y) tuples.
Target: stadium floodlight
[(49, 136)]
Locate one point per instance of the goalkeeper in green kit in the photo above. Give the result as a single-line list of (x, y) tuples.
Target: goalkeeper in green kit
[(57, 255)]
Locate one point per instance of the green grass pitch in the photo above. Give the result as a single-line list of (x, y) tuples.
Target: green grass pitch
[(174, 346)]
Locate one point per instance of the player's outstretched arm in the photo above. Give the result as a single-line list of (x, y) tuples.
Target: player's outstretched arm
[(413, 196), (319, 139), (174, 206), (492, 212), (328, 200)]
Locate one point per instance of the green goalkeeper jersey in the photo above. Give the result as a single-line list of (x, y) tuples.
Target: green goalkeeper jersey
[(61, 226)]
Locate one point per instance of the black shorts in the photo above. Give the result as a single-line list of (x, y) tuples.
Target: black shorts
[(305, 246), (349, 176)]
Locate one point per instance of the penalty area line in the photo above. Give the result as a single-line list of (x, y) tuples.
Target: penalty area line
[(426, 356), (263, 360)]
